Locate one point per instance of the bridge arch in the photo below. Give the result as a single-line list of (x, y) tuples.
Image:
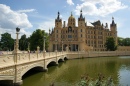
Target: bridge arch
[(54, 62), (60, 60), (65, 58), (27, 68)]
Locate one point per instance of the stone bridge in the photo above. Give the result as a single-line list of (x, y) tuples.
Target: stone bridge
[(14, 66)]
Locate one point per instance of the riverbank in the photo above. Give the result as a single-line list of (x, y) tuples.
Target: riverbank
[(83, 54)]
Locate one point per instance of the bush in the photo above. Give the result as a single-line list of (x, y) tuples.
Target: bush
[(100, 81)]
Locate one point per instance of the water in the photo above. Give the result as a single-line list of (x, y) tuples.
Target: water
[(68, 73)]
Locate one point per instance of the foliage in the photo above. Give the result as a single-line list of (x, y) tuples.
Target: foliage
[(0, 49), (23, 42), (110, 44), (6, 41), (120, 41), (100, 81), (123, 41), (36, 39), (0, 46)]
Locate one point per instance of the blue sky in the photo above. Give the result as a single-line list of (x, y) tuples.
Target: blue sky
[(30, 15)]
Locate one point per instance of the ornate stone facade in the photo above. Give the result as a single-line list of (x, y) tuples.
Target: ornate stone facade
[(81, 37)]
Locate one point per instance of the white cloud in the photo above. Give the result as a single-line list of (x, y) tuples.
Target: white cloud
[(70, 2), (99, 7), (10, 19), (13, 32), (46, 25), (26, 10)]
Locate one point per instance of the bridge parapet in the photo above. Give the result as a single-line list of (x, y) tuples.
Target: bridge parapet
[(6, 60)]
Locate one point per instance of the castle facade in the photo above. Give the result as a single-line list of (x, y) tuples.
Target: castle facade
[(82, 37)]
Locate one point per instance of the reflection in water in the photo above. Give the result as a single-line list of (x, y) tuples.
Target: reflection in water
[(68, 73), (124, 73)]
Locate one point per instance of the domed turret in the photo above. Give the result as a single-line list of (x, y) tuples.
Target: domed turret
[(71, 20), (71, 16)]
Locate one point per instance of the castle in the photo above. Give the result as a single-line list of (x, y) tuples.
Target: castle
[(82, 37)]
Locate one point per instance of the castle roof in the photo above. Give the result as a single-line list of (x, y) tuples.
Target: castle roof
[(71, 16)]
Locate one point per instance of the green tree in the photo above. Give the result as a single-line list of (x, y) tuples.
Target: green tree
[(7, 42), (126, 42), (36, 39), (23, 42), (120, 41), (110, 44), (123, 41), (0, 46)]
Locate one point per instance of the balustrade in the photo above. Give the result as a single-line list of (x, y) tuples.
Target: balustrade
[(8, 60)]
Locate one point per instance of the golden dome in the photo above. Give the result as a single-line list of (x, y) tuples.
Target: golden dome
[(71, 16)]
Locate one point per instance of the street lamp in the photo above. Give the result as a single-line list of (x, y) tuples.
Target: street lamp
[(17, 40), (16, 46), (44, 38)]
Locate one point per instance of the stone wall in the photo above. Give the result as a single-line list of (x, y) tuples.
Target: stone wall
[(82, 54)]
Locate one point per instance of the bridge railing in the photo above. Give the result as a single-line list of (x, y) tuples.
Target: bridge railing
[(6, 60)]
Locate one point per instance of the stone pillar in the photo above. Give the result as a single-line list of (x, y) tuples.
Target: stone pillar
[(44, 38), (38, 51), (17, 77), (19, 83)]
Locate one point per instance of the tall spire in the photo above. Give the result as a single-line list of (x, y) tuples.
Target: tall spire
[(71, 13), (113, 23), (81, 16), (81, 11), (58, 17)]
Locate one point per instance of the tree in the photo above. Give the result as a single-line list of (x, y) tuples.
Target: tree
[(126, 42), (36, 39), (23, 42), (120, 41), (110, 44), (123, 41), (0, 44), (7, 42)]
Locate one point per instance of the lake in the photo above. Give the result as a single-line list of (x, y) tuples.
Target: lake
[(69, 72)]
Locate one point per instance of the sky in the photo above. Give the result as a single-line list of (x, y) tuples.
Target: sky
[(30, 15)]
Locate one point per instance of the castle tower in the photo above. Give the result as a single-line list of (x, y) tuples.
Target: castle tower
[(113, 29), (81, 20), (57, 31), (58, 21), (81, 31), (71, 21)]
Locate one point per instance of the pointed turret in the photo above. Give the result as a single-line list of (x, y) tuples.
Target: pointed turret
[(113, 29), (58, 17), (113, 23), (81, 19), (81, 16), (58, 21)]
